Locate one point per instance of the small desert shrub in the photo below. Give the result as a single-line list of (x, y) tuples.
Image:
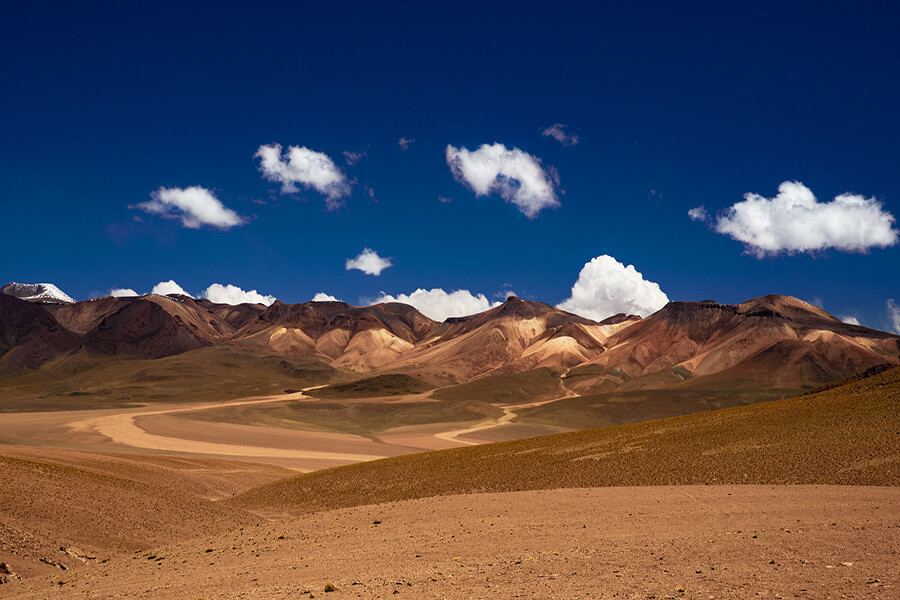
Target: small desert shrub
[(329, 587)]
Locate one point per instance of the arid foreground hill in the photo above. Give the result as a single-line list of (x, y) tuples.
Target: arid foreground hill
[(539, 517), (774, 342)]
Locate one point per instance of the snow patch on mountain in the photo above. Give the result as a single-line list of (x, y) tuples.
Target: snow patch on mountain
[(42, 292)]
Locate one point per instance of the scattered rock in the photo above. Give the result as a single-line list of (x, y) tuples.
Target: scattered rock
[(7, 574)]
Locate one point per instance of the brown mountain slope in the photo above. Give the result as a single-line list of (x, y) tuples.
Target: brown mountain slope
[(519, 335), (29, 334), (143, 328), (81, 317), (360, 338), (845, 435), (235, 315), (773, 341)]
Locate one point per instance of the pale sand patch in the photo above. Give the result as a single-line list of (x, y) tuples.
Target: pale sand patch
[(122, 429), (173, 426)]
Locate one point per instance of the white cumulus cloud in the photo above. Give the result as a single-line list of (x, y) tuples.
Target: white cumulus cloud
[(368, 262), (308, 168), (122, 292), (438, 304), (516, 176), (164, 288), (558, 132), (323, 297), (606, 287), (794, 221), (232, 294), (195, 206), (849, 320), (894, 314), (698, 213)]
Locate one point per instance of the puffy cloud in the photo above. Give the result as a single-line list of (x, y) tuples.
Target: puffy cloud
[(558, 132), (354, 157), (232, 294), (513, 174), (406, 142), (894, 314), (164, 288), (438, 304), (368, 262), (122, 292), (849, 320), (323, 297), (794, 221), (310, 169), (698, 213), (606, 287), (195, 206)]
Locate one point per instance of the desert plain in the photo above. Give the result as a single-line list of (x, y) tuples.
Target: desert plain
[(508, 455)]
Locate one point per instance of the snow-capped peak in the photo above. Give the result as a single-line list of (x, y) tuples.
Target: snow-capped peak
[(41, 292)]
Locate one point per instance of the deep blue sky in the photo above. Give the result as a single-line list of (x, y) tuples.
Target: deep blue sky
[(103, 103)]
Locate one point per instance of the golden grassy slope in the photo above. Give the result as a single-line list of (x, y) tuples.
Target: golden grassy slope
[(389, 384), (215, 373), (846, 435)]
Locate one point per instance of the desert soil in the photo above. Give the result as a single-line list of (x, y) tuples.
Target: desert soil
[(638, 542), (164, 428)]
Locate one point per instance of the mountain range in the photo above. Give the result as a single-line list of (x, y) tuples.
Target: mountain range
[(767, 342)]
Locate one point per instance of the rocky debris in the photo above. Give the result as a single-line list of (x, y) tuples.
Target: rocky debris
[(53, 563), (7, 574), (77, 553)]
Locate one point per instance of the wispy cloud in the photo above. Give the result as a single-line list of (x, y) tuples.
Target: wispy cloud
[(894, 315), (516, 176), (368, 262), (194, 206), (698, 213), (354, 157), (308, 168), (849, 319), (794, 221), (405, 143), (558, 132), (606, 287)]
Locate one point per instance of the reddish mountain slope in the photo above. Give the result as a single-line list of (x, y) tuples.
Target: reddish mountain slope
[(768, 342), (771, 341), (29, 334), (143, 328), (518, 335)]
